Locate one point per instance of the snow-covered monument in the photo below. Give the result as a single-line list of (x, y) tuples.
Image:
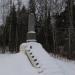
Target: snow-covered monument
[(31, 34), (39, 60)]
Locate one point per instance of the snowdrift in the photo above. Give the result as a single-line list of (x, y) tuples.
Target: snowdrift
[(20, 64)]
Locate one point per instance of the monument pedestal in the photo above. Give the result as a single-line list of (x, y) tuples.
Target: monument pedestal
[(31, 36)]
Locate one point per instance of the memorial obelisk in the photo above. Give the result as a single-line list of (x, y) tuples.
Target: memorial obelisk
[(31, 34)]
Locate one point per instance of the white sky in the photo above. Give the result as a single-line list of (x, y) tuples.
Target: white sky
[(25, 2)]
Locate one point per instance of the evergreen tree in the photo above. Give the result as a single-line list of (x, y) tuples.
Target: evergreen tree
[(2, 39), (65, 30), (32, 6), (45, 32), (12, 29), (22, 25)]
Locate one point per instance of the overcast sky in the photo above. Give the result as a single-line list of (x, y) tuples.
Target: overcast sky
[(25, 2)]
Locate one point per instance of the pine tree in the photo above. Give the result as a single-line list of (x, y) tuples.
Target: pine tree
[(22, 25), (12, 29), (32, 6)]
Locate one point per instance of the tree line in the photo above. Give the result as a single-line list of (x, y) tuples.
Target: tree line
[(57, 27), (15, 29)]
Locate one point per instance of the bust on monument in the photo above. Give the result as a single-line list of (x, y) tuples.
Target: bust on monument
[(31, 34)]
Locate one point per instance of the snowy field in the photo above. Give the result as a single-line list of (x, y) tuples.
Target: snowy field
[(19, 64)]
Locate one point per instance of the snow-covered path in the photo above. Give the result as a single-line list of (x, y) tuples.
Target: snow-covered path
[(18, 64)]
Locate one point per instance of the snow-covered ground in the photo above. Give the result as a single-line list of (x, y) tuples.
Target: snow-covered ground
[(19, 64)]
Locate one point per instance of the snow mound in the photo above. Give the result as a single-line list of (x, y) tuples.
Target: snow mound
[(50, 65), (19, 64)]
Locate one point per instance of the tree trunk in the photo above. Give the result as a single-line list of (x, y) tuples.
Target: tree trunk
[(70, 12)]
